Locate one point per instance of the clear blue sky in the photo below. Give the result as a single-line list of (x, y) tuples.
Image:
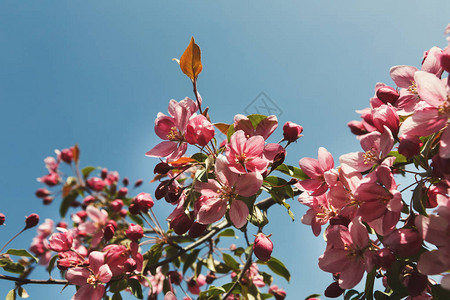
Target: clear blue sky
[(97, 72)]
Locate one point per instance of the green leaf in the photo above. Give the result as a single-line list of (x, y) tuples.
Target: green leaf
[(370, 280), (210, 263), (258, 218), (379, 295), (190, 260), (118, 285), (66, 202), (230, 132), (292, 171), (350, 294), (116, 296), (200, 157), (393, 280), (201, 175), (86, 171), (256, 119), (419, 199), (399, 158), (227, 232), (312, 296), (135, 288), (9, 266), (11, 295), (215, 290), (237, 289), (230, 261), (21, 252), (288, 207), (51, 264), (279, 268)]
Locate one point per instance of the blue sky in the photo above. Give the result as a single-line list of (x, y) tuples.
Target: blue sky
[(97, 72)]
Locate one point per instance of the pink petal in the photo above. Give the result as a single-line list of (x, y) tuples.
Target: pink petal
[(96, 260), (249, 184), (403, 76), (182, 147), (208, 189), (163, 149), (238, 213), (430, 88), (352, 276), (77, 275), (254, 146), (432, 63), (326, 161), (354, 162), (223, 172), (212, 210), (311, 167), (237, 142), (309, 185), (257, 164), (359, 233), (90, 292), (105, 274), (444, 146), (334, 260), (241, 122), (430, 262), (163, 126), (423, 122), (267, 126)]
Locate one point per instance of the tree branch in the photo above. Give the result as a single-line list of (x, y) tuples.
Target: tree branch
[(32, 281)]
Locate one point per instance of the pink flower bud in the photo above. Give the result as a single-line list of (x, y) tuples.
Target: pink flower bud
[(42, 193), (67, 155), (82, 214), (104, 173), (278, 293), (60, 242), (2, 219), (108, 232), (88, 200), (116, 205), (211, 277), (123, 212), (122, 192), (357, 127), (62, 224), (292, 131), (333, 290), (47, 200), (387, 94), (199, 131), (197, 230), (144, 201), (51, 179), (181, 223), (134, 232), (125, 181), (138, 183), (133, 208), (130, 265), (95, 183), (409, 146), (31, 221), (262, 247), (385, 115)]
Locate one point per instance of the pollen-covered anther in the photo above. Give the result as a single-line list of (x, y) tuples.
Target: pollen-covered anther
[(369, 157), (413, 87), (173, 134), (91, 280)]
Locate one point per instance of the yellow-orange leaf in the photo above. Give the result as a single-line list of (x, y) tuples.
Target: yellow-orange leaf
[(222, 127), (190, 61), (182, 161), (66, 190), (76, 153)]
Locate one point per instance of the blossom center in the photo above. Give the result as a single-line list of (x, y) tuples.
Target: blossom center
[(413, 87), (369, 157), (173, 134), (91, 280), (444, 109)]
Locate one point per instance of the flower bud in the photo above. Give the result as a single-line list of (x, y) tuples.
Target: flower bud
[(144, 201), (173, 193), (2, 219), (278, 293), (138, 183), (47, 200), (181, 223), (134, 232), (123, 212), (416, 283), (88, 200), (357, 127), (51, 179), (211, 277), (197, 230), (60, 242), (292, 131), (67, 155), (82, 214), (130, 265), (95, 183), (404, 242), (133, 208), (175, 277), (31, 221), (42, 193), (125, 181), (62, 224), (116, 205), (162, 168), (161, 190), (387, 94), (122, 192), (108, 232), (445, 59), (333, 290), (199, 131), (262, 247), (104, 173)]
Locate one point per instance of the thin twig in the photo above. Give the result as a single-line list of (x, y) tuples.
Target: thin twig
[(241, 275), (32, 281)]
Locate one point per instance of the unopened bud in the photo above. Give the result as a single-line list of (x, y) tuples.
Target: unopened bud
[(122, 192), (409, 146), (42, 193), (181, 223), (357, 127), (2, 219), (197, 230), (134, 232), (116, 205), (125, 181), (82, 214), (95, 183), (67, 155), (133, 208), (211, 277), (138, 183), (292, 131), (384, 258), (278, 293), (104, 173), (144, 202), (175, 277), (31, 221), (47, 200), (62, 224), (262, 247), (123, 212), (161, 190), (130, 265), (387, 94), (88, 200)]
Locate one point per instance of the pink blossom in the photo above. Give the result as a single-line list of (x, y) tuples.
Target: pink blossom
[(245, 155), (347, 253), (265, 128), (225, 190), (95, 227), (60, 241), (199, 130), (320, 211), (172, 129), (90, 279), (320, 171)]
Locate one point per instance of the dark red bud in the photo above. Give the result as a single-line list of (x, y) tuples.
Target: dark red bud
[(116, 205), (333, 290), (292, 131), (138, 183), (161, 190), (88, 200), (197, 230), (104, 173), (175, 277), (125, 181), (134, 232), (387, 94), (211, 277), (108, 232), (2, 219), (47, 200), (409, 147), (122, 192), (416, 283), (123, 212), (31, 221), (134, 209), (262, 247), (130, 265), (42, 193), (357, 127), (82, 214), (75, 203), (67, 155), (62, 224), (181, 223)]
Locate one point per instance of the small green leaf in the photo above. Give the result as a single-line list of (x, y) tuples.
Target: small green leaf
[(21, 252), (200, 157), (67, 201), (201, 175), (256, 119), (118, 285), (292, 171), (237, 289), (210, 263), (399, 158), (230, 261), (279, 268), (9, 266), (378, 295), (51, 264), (230, 132), (312, 296), (350, 294), (86, 171), (227, 232), (135, 288), (370, 280), (11, 295), (190, 260)]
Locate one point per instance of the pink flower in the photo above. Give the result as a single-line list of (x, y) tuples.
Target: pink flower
[(376, 146), (50, 179), (90, 279), (320, 171), (265, 128), (319, 213), (172, 129), (224, 190), (95, 227), (60, 241), (346, 253), (199, 130), (245, 155)]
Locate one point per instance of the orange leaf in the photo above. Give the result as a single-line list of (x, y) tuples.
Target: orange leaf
[(222, 127), (66, 190), (76, 153), (182, 161), (190, 61)]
